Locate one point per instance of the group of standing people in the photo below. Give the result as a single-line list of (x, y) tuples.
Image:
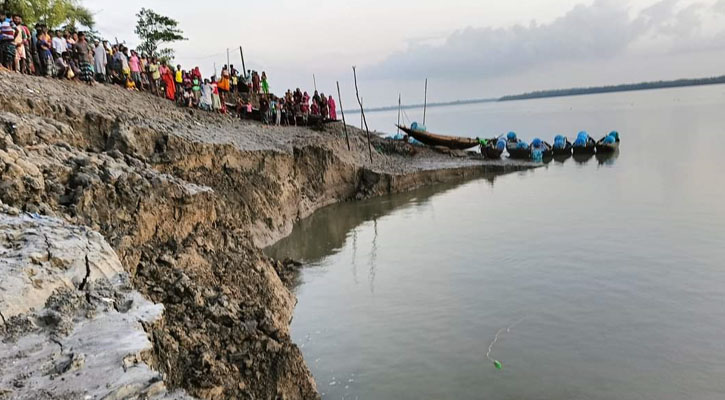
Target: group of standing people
[(293, 106), (36, 52), (322, 106), (74, 56)]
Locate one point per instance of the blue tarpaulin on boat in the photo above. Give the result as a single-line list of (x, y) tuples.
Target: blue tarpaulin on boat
[(417, 127)]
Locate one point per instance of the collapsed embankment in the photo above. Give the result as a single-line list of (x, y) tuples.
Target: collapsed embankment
[(186, 199)]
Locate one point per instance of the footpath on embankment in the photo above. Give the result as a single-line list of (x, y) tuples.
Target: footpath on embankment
[(130, 236)]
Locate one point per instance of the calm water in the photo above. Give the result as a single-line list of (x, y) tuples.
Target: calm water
[(613, 272)]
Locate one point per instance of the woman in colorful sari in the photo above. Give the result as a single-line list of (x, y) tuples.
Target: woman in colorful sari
[(216, 103), (324, 111), (46, 55), (333, 108), (83, 54), (168, 77), (265, 84)]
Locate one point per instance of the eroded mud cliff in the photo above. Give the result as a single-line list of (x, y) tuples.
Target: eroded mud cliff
[(185, 199)]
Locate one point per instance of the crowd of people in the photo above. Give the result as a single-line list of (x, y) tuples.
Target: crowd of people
[(74, 56), (293, 107)]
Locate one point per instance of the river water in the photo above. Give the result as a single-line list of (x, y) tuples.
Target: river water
[(609, 274)]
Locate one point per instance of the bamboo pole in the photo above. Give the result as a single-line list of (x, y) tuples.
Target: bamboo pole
[(314, 81), (362, 113), (228, 66), (244, 67), (344, 125), (398, 114), (362, 125), (425, 100)]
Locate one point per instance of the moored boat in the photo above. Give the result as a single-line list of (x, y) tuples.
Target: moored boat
[(493, 148), (540, 149), (609, 143), (584, 144), (516, 147), (432, 139), (562, 146)]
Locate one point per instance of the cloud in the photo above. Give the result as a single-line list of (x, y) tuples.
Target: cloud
[(586, 33)]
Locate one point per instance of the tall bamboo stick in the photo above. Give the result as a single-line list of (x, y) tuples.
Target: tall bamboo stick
[(344, 125), (362, 112), (398, 114), (425, 100)]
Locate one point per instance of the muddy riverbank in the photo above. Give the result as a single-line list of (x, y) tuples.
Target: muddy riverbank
[(185, 200)]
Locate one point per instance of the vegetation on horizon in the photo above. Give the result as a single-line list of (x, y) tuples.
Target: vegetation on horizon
[(155, 30), (616, 88), (571, 92)]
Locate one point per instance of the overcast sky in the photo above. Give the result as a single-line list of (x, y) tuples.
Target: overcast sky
[(467, 48)]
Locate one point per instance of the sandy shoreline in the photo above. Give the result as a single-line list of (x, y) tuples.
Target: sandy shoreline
[(184, 200)]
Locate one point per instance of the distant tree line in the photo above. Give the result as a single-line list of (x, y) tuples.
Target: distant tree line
[(616, 88)]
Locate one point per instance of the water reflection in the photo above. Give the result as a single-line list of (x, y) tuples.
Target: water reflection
[(561, 159), (607, 158), (582, 158), (373, 256), (326, 231)]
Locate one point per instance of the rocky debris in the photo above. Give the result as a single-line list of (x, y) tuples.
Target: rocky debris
[(288, 270), (186, 200), (73, 328)]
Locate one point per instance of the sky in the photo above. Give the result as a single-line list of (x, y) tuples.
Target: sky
[(466, 48)]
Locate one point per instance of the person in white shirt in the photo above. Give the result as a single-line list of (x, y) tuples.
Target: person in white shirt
[(60, 45)]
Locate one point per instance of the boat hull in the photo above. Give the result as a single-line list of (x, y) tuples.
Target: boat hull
[(432, 139), (590, 148), (563, 151), (607, 147), (519, 154), (491, 152)]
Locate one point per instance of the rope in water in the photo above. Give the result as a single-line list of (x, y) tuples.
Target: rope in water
[(497, 363)]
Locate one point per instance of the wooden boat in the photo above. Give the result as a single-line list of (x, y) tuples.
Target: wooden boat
[(546, 152), (607, 147), (432, 139), (490, 150), (566, 151), (516, 152), (590, 148)]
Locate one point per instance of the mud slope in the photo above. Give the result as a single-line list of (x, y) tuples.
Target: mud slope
[(186, 199)]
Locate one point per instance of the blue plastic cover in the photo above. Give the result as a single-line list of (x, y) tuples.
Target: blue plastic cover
[(537, 155), (522, 145), (501, 144), (614, 134), (511, 136), (609, 139), (582, 135), (536, 142), (417, 127)]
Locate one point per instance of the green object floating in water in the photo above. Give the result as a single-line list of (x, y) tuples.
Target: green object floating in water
[(497, 364)]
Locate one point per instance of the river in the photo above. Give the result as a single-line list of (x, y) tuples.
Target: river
[(604, 279)]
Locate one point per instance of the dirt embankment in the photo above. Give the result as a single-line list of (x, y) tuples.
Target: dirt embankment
[(186, 199)]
